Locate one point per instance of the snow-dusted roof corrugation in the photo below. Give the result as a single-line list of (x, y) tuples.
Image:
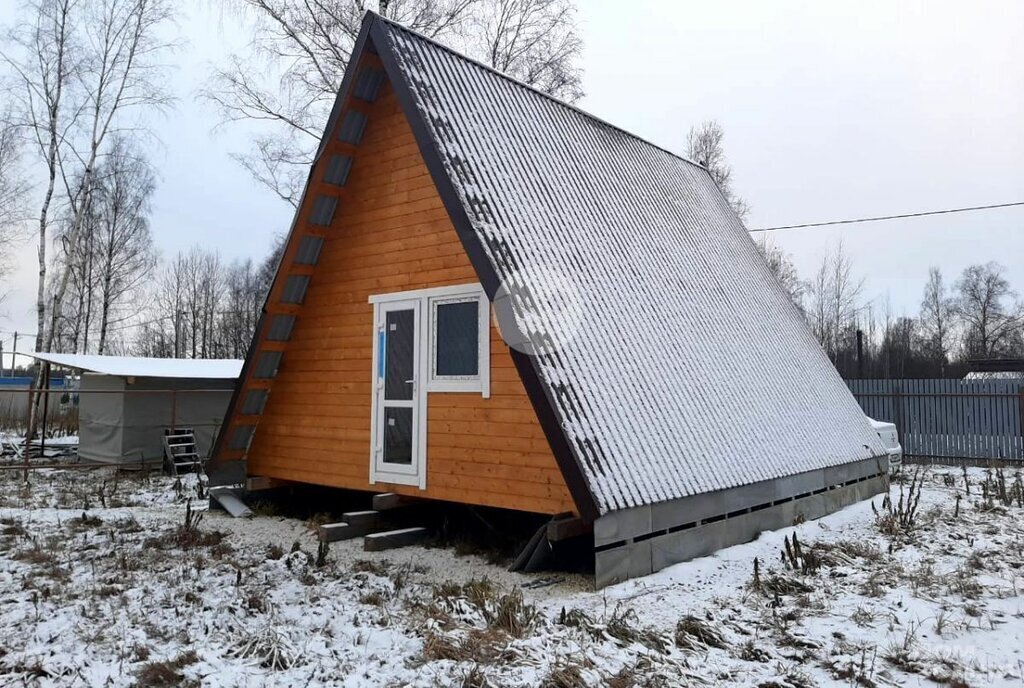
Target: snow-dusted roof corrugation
[(127, 366), (689, 371)]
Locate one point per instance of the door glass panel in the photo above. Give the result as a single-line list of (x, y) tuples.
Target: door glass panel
[(399, 348), (457, 352), (398, 435)]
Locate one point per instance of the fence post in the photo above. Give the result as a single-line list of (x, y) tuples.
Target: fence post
[(1020, 410), (46, 408), (898, 415)]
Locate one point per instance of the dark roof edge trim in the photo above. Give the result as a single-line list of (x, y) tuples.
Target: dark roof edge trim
[(522, 84), (526, 366), (346, 86)]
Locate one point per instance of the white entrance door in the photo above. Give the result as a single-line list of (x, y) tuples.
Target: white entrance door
[(398, 448)]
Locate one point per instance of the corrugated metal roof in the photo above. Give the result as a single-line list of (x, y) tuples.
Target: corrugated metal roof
[(681, 365)]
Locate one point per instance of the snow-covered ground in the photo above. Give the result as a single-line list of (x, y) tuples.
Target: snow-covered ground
[(109, 580)]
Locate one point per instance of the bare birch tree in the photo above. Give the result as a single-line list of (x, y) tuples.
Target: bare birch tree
[(781, 266), (243, 302), (990, 310), (705, 145), (74, 326), (43, 55), (835, 294), (123, 244), (306, 45), (937, 320), (268, 266), (14, 189), (81, 68)]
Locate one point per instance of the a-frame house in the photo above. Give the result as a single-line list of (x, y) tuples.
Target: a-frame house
[(491, 297)]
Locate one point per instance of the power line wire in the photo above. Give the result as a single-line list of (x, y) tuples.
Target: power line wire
[(890, 217)]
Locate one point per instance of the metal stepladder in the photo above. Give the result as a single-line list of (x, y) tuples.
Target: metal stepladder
[(180, 451)]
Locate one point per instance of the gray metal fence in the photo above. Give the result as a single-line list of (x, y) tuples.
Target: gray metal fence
[(954, 419)]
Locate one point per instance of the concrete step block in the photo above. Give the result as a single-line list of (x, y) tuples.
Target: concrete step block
[(392, 539)]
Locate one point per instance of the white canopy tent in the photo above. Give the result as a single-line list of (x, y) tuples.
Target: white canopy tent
[(126, 403)]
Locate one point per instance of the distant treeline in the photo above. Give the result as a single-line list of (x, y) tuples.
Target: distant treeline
[(979, 316)]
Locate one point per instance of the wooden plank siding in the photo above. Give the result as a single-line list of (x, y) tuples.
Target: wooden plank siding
[(391, 233)]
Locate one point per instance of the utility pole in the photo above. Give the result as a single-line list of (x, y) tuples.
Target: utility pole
[(14, 353), (860, 354), (177, 331)]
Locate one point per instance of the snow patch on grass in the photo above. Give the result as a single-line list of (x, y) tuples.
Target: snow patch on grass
[(124, 579)]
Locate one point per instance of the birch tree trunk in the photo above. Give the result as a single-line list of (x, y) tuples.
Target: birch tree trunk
[(115, 66)]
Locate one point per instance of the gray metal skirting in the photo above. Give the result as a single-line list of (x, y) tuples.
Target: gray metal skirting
[(643, 554), (227, 473)]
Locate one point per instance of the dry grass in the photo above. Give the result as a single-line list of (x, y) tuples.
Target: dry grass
[(779, 584), (899, 520), (12, 527), (564, 673), (473, 627), (36, 555), (750, 652), (849, 552), (188, 535), (480, 646), (694, 634), (376, 598), (314, 522), (378, 567), (84, 522), (863, 617), (622, 626), (269, 647), (475, 678), (997, 490), (168, 673), (512, 615)]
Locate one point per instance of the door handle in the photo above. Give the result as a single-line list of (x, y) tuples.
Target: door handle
[(409, 382)]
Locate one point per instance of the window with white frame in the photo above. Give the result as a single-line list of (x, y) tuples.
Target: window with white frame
[(455, 337), (459, 343)]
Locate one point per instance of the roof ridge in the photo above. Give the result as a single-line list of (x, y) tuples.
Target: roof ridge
[(522, 84)]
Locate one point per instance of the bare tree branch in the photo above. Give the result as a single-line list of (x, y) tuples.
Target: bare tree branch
[(782, 268), (937, 320), (308, 43), (991, 312), (835, 295), (705, 146), (535, 41)]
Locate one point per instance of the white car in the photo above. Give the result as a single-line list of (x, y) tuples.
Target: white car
[(890, 440)]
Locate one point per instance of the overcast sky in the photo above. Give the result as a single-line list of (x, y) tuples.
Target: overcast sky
[(832, 110)]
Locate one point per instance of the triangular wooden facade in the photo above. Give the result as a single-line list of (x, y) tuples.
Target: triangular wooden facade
[(372, 222)]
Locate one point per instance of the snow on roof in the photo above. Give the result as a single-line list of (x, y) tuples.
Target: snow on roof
[(984, 375), (689, 370), (880, 424), (128, 366)]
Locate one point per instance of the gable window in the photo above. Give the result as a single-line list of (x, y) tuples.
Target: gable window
[(455, 344), (459, 344)]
